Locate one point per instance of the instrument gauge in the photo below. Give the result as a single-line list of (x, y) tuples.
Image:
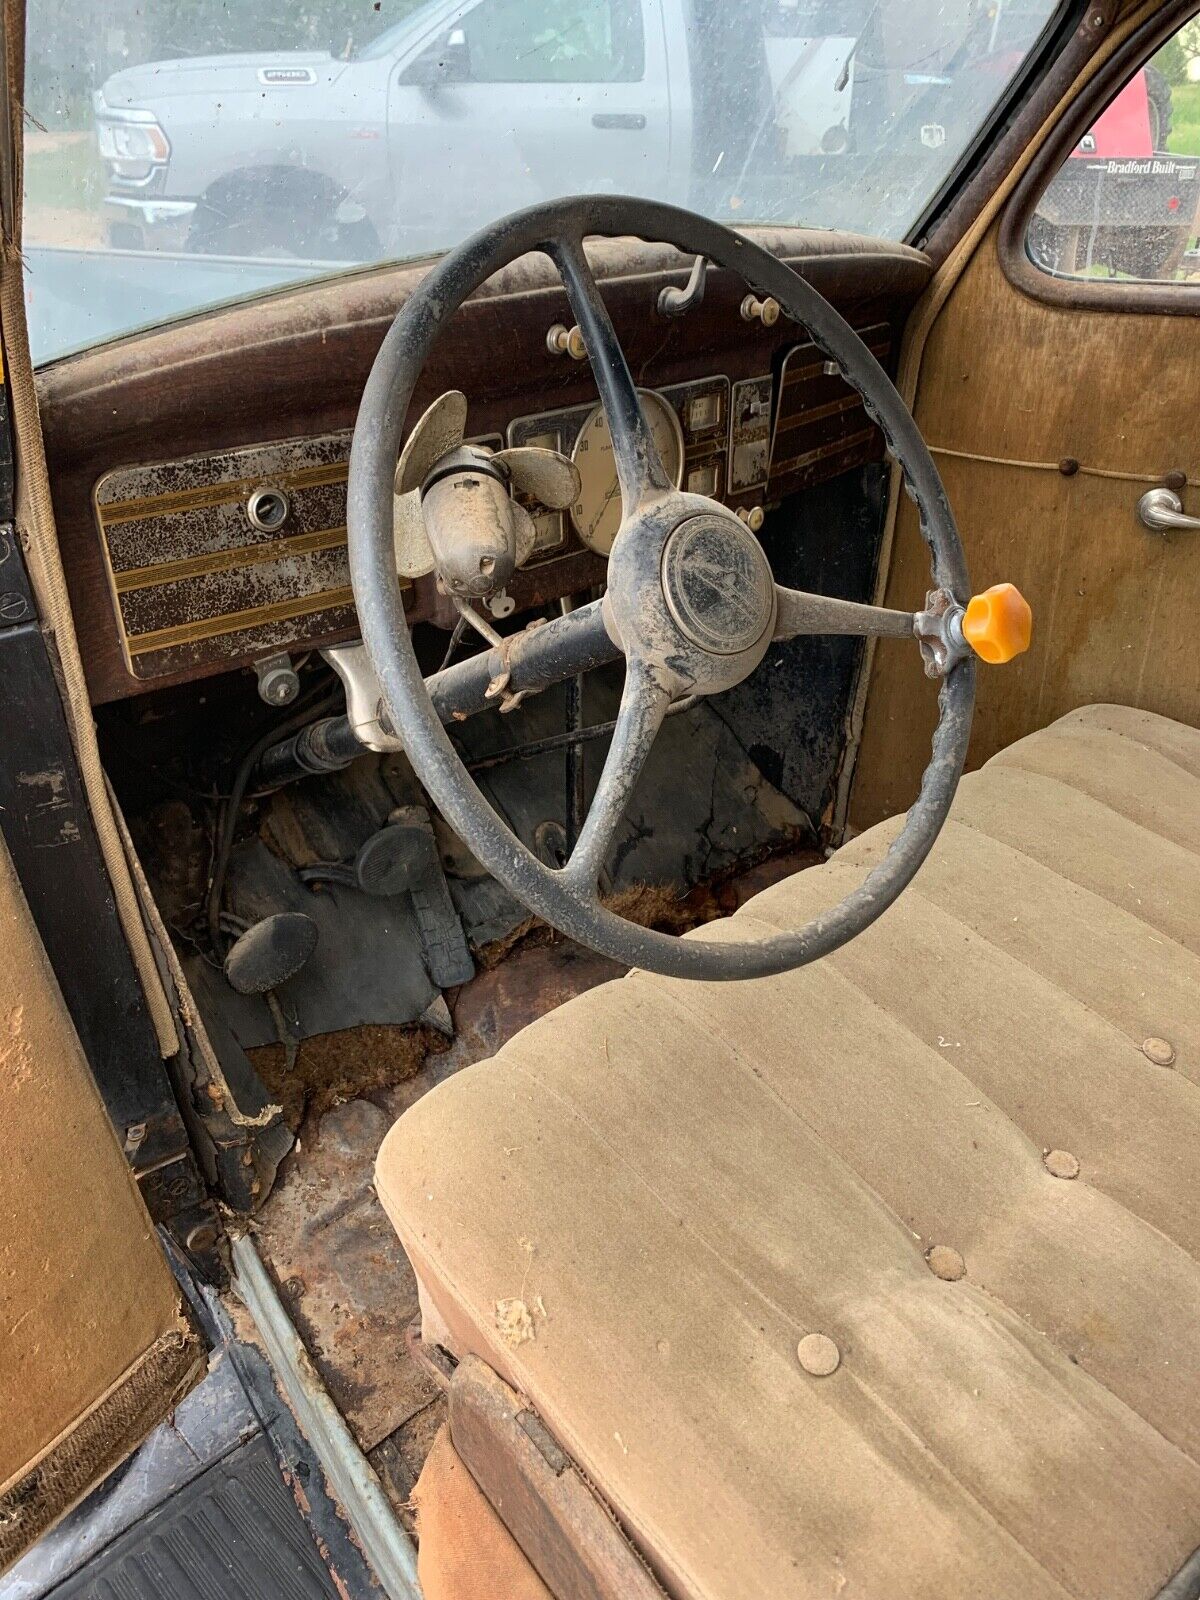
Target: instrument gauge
[(596, 515)]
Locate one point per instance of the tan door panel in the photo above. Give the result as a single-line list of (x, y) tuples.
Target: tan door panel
[(93, 1346), (1010, 388)]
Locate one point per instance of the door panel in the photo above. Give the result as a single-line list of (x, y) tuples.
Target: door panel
[(93, 1346), (536, 119), (1048, 423)]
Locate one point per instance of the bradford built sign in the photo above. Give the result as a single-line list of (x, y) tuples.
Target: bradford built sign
[(1145, 167)]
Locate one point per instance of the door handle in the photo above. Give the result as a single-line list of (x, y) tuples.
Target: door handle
[(1161, 510), (618, 119)]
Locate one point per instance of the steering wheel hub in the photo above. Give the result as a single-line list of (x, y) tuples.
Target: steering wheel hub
[(717, 584)]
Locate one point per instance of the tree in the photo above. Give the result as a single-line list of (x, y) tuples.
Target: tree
[(1171, 60)]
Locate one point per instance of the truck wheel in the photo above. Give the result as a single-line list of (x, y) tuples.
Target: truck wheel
[(278, 213), (1152, 254), (1159, 93)]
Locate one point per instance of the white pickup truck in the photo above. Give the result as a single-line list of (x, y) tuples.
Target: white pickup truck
[(400, 145)]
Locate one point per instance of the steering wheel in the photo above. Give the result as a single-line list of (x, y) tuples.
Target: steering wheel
[(690, 600)]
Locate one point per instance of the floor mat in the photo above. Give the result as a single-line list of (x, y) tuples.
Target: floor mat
[(233, 1532), (209, 1505)]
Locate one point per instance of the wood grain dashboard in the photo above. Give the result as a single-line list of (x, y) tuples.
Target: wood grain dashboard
[(157, 443)]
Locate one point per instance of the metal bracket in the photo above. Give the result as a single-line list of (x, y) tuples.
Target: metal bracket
[(16, 597), (351, 1477), (497, 688), (364, 698), (278, 682), (938, 631)]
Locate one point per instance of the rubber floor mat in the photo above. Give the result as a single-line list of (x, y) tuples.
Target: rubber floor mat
[(234, 1533)]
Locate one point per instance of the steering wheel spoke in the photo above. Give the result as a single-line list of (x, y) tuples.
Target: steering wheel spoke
[(801, 613), (640, 471), (644, 703)]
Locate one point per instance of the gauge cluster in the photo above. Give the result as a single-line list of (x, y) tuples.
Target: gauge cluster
[(699, 427), (238, 554)]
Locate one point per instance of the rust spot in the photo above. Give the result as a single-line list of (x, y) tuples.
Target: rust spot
[(332, 1067), (660, 907)]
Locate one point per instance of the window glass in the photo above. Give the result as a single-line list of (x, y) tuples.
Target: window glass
[(553, 41), (183, 153), (1123, 206)]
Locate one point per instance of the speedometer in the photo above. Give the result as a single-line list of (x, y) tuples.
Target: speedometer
[(596, 514)]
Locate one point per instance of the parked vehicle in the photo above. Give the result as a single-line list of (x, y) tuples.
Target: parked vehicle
[(1122, 202), (350, 154), (345, 154)]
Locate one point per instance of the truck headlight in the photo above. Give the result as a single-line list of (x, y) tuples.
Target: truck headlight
[(143, 142)]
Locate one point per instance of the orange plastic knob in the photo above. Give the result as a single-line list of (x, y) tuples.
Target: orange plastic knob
[(998, 623)]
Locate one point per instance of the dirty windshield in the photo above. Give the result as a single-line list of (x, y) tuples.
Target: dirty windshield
[(188, 152)]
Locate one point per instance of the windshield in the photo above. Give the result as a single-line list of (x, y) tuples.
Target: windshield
[(189, 152)]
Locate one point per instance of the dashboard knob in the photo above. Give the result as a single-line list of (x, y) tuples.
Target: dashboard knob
[(998, 623), (563, 341), (765, 311)]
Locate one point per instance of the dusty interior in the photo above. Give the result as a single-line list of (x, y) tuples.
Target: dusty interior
[(915, 1178), (344, 1274), (290, 1086)]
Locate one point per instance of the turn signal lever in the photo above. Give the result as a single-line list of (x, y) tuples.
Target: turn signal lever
[(995, 625)]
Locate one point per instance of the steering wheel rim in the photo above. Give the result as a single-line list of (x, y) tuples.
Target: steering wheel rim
[(557, 229)]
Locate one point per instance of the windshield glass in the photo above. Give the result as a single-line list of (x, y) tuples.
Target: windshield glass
[(189, 152)]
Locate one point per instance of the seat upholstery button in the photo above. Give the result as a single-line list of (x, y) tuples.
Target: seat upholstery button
[(946, 1263), (1160, 1051), (818, 1354), (1061, 1164)]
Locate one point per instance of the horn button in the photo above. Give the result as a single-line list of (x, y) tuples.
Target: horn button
[(703, 603), (717, 584)]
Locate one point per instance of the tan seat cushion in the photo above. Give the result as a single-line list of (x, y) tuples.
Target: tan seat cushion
[(681, 1181), (466, 1552)]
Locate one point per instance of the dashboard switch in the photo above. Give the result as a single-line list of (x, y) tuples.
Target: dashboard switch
[(765, 311), (563, 341)]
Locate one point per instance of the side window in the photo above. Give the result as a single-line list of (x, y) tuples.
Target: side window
[(1125, 203), (555, 41)]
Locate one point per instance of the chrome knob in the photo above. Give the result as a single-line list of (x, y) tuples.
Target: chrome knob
[(765, 311), (563, 341), (1161, 510)]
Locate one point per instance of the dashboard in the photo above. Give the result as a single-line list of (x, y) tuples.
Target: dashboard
[(188, 562)]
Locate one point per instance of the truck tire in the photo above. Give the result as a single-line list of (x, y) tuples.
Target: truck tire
[(279, 213), (1158, 91), (1152, 254)]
